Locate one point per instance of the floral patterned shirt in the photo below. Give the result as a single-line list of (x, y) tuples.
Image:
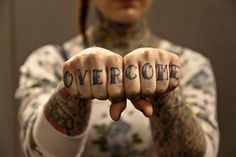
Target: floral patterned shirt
[(131, 135)]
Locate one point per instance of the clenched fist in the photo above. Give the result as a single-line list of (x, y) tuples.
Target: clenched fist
[(95, 73), (150, 72), (98, 73)]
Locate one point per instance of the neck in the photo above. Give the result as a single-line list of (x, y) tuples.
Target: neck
[(118, 37)]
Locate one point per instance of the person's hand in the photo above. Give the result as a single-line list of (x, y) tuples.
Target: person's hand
[(150, 72), (96, 73)]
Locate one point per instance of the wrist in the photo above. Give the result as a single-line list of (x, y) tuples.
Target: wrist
[(168, 103), (67, 113)]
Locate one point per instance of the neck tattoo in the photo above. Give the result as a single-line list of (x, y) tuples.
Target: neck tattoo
[(121, 38)]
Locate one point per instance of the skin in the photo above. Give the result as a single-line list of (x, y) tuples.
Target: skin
[(123, 11), (89, 69), (66, 113)]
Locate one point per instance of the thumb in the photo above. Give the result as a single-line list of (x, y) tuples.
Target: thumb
[(144, 106), (116, 109)]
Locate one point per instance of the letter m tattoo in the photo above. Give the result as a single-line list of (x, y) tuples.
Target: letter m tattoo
[(161, 70)]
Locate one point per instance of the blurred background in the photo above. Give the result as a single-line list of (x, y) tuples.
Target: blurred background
[(207, 26)]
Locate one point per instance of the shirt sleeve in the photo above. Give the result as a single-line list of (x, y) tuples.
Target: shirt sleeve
[(199, 91), (39, 77)]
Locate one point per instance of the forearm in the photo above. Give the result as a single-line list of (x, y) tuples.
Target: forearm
[(66, 113), (175, 129), (60, 128)]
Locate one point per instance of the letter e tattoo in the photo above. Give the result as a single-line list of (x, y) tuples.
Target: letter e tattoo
[(173, 71), (96, 76)]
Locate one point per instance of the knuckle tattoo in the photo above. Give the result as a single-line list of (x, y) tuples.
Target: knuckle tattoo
[(162, 73), (68, 79)]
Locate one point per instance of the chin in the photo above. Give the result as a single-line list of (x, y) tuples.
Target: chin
[(128, 16)]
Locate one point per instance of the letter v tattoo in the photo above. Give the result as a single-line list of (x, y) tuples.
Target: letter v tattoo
[(81, 77)]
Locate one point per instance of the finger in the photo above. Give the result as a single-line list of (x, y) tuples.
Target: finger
[(115, 78), (175, 72), (98, 77), (69, 77), (83, 77), (116, 109), (147, 73), (162, 71), (144, 106), (131, 77)]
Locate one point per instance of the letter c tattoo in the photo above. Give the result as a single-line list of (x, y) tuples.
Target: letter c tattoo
[(128, 72)]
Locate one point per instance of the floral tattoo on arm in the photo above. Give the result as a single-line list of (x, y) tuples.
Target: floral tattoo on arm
[(68, 114)]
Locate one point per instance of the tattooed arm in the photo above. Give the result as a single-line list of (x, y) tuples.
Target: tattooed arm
[(175, 129), (176, 132), (52, 123), (178, 127), (66, 113), (184, 122)]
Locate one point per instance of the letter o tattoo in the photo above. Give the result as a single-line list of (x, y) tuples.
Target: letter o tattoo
[(68, 79), (144, 71)]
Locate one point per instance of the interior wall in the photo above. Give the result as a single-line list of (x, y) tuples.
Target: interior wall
[(8, 133), (25, 26), (206, 26)]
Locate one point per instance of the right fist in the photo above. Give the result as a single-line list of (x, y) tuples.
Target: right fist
[(95, 73)]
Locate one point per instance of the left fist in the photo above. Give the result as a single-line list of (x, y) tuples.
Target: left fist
[(149, 72)]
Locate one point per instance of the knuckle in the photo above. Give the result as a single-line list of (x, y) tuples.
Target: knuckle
[(86, 95), (127, 57), (126, 60), (79, 60), (92, 49), (99, 49), (100, 96), (147, 53), (130, 59), (162, 87), (65, 66), (93, 58), (116, 93), (174, 83), (116, 59), (68, 65), (148, 91), (93, 54), (175, 58), (132, 91), (163, 55)]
